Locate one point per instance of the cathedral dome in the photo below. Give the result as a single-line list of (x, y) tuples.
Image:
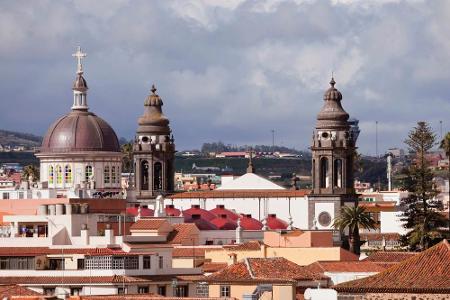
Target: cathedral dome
[(80, 131)]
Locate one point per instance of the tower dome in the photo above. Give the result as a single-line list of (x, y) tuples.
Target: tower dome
[(332, 115)]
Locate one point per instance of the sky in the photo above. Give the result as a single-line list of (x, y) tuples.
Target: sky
[(230, 70)]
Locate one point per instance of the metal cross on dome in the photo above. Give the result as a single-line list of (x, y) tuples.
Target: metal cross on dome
[(79, 55)]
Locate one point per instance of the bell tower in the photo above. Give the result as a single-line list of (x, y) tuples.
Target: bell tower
[(333, 149), (153, 151)]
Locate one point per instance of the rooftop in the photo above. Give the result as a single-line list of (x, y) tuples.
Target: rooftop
[(276, 269), (426, 272)]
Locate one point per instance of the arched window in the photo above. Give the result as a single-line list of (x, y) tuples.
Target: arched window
[(323, 172), (337, 173), (87, 173), (50, 175), (106, 174), (68, 174), (157, 176), (144, 175), (59, 175), (113, 174), (313, 173)]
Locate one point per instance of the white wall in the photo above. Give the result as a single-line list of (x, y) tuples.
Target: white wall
[(390, 222)]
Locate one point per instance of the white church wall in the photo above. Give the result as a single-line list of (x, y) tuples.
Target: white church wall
[(324, 207)]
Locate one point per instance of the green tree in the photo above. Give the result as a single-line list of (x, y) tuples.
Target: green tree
[(421, 216), (353, 218), (445, 145), (127, 157), (30, 170)]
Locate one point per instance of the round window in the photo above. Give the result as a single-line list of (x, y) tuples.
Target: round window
[(325, 135), (145, 139), (324, 219)]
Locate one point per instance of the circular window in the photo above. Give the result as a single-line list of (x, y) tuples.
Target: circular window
[(324, 219), (325, 135), (145, 139)]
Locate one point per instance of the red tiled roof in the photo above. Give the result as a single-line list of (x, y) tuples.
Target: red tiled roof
[(247, 246), (211, 267), (426, 272), (51, 280), (389, 256), (148, 224), (182, 232), (275, 223), (171, 211), (223, 223), (221, 210), (9, 290), (249, 223), (145, 212), (240, 194), (188, 252), (196, 210), (380, 236), (276, 269), (344, 266)]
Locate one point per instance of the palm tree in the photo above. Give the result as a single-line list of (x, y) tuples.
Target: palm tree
[(445, 145), (28, 171), (353, 218)]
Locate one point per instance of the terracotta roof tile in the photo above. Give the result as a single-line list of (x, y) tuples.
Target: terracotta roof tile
[(7, 291), (380, 236), (426, 272), (247, 246), (274, 269), (148, 224), (188, 252), (211, 267), (182, 233), (344, 266), (389, 256)]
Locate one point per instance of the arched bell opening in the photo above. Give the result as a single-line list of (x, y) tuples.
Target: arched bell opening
[(157, 176), (144, 175)]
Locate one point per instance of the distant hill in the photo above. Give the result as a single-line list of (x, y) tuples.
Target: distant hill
[(13, 138)]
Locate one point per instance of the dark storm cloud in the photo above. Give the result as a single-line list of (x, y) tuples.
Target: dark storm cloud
[(229, 70)]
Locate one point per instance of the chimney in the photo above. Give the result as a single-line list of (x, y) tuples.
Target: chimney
[(84, 233), (109, 234), (232, 258), (238, 232)]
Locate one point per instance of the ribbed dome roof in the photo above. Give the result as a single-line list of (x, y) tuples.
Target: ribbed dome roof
[(153, 120), (332, 114), (80, 131), (80, 83), (171, 211)]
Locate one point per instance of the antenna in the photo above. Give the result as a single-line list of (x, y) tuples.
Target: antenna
[(376, 139), (440, 129), (273, 140)]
